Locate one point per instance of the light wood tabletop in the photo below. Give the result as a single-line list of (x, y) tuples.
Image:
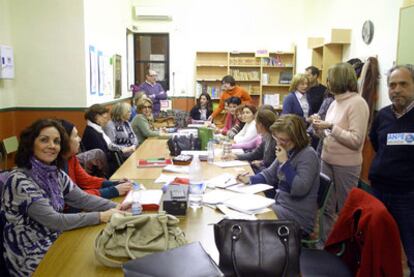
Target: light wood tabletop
[(72, 254)]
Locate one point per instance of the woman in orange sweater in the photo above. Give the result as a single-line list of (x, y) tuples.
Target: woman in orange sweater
[(90, 184)]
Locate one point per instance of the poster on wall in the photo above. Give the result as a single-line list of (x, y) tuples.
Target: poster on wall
[(93, 65), (117, 75), (108, 77), (101, 73)]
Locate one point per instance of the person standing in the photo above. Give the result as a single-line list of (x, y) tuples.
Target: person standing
[(297, 101), (316, 91), (344, 130), (153, 90), (391, 172), (230, 89)]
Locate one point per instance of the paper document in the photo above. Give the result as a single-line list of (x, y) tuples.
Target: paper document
[(177, 169), (164, 178), (249, 188), (249, 203), (194, 153), (222, 181), (149, 199), (237, 151), (232, 214), (235, 163), (217, 196)]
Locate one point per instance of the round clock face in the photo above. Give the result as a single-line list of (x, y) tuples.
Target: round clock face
[(367, 31)]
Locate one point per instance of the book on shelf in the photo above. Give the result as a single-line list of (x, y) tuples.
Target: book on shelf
[(160, 162), (272, 99), (285, 77)]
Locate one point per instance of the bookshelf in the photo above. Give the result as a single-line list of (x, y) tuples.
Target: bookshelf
[(326, 54), (266, 78)]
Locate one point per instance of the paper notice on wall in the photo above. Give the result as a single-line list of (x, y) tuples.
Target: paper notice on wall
[(272, 99)]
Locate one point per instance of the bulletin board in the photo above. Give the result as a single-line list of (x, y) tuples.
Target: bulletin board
[(405, 52)]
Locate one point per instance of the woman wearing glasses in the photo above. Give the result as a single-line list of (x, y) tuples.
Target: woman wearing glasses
[(143, 123), (294, 173)]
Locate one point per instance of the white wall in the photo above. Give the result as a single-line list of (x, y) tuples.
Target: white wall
[(105, 29), (48, 51), (324, 15), (223, 25), (6, 86)]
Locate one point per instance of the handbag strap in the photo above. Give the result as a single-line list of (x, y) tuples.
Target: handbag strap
[(100, 253), (283, 232)]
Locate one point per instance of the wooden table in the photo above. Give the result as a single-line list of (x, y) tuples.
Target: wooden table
[(72, 254)]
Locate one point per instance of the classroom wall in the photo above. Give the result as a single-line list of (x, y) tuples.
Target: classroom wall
[(105, 29), (323, 15), (218, 25), (6, 86), (47, 37)]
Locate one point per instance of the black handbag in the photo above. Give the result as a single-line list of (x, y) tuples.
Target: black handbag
[(177, 144), (258, 247)]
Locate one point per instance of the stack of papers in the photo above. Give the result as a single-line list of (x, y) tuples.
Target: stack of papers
[(149, 199), (164, 178), (177, 169), (249, 203), (252, 189), (217, 196), (222, 181), (235, 163)]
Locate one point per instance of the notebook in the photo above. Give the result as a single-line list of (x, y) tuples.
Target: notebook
[(161, 162)]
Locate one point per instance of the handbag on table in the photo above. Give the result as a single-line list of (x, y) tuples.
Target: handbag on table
[(128, 237), (258, 247)]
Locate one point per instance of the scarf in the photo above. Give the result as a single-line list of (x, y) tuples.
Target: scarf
[(99, 129), (46, 177)]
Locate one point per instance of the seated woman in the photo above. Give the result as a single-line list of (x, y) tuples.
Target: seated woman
[(297, 101), (143, 123), (248, 132), (239, 124), (90, 184), (264, 155), (97, 117), (119, 130), (134, 104), (203, 109), (34, 197), (295, 173), (231, 117)]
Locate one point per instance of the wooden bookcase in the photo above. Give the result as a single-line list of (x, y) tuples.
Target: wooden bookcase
[(259, 76), (324, 55)]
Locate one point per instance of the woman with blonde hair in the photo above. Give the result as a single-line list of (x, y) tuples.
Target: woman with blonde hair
[(143, 123), (294, 173), (297, 101), (119, 129), (344, 130)]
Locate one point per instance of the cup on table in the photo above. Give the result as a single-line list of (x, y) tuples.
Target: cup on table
[(195, 196)]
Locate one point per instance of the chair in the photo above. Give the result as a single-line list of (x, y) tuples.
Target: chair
[(10, 145), (315, 262), (325, 187), (364, 186)]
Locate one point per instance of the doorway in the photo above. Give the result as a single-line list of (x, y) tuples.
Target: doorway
[(152, 51)]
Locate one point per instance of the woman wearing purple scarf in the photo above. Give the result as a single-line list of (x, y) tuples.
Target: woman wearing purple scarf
[(34, 196)]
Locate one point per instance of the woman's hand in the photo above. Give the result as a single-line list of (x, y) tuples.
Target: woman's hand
[(229, 157), (128, 149), (106, 215), (281, 154), (257, 163), (123, 188), (321, 125), (124, 206), (243, 178)]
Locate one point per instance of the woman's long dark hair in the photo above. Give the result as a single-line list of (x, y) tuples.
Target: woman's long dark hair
[(209, 106), (27, 139)]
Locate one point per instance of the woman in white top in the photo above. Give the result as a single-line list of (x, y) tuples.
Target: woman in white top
[(249, 130)]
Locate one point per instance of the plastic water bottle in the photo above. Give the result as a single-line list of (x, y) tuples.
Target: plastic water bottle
[(196, 183), (136, 207), (210, 152)]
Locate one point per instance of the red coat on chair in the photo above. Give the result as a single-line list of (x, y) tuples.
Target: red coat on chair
[(370, 235)]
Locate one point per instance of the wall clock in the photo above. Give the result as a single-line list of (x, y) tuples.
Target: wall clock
[(367, 31)]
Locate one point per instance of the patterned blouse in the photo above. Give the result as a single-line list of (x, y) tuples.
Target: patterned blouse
[(31, 225)]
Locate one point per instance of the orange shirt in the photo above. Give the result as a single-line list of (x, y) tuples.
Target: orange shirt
[(237, 92)]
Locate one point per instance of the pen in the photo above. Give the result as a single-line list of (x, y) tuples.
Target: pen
[(244, 174)]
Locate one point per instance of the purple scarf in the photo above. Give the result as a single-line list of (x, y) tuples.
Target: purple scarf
[(46, 177)]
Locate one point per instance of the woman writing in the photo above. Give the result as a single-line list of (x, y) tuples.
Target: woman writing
[(295, 173), (34, 197)]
